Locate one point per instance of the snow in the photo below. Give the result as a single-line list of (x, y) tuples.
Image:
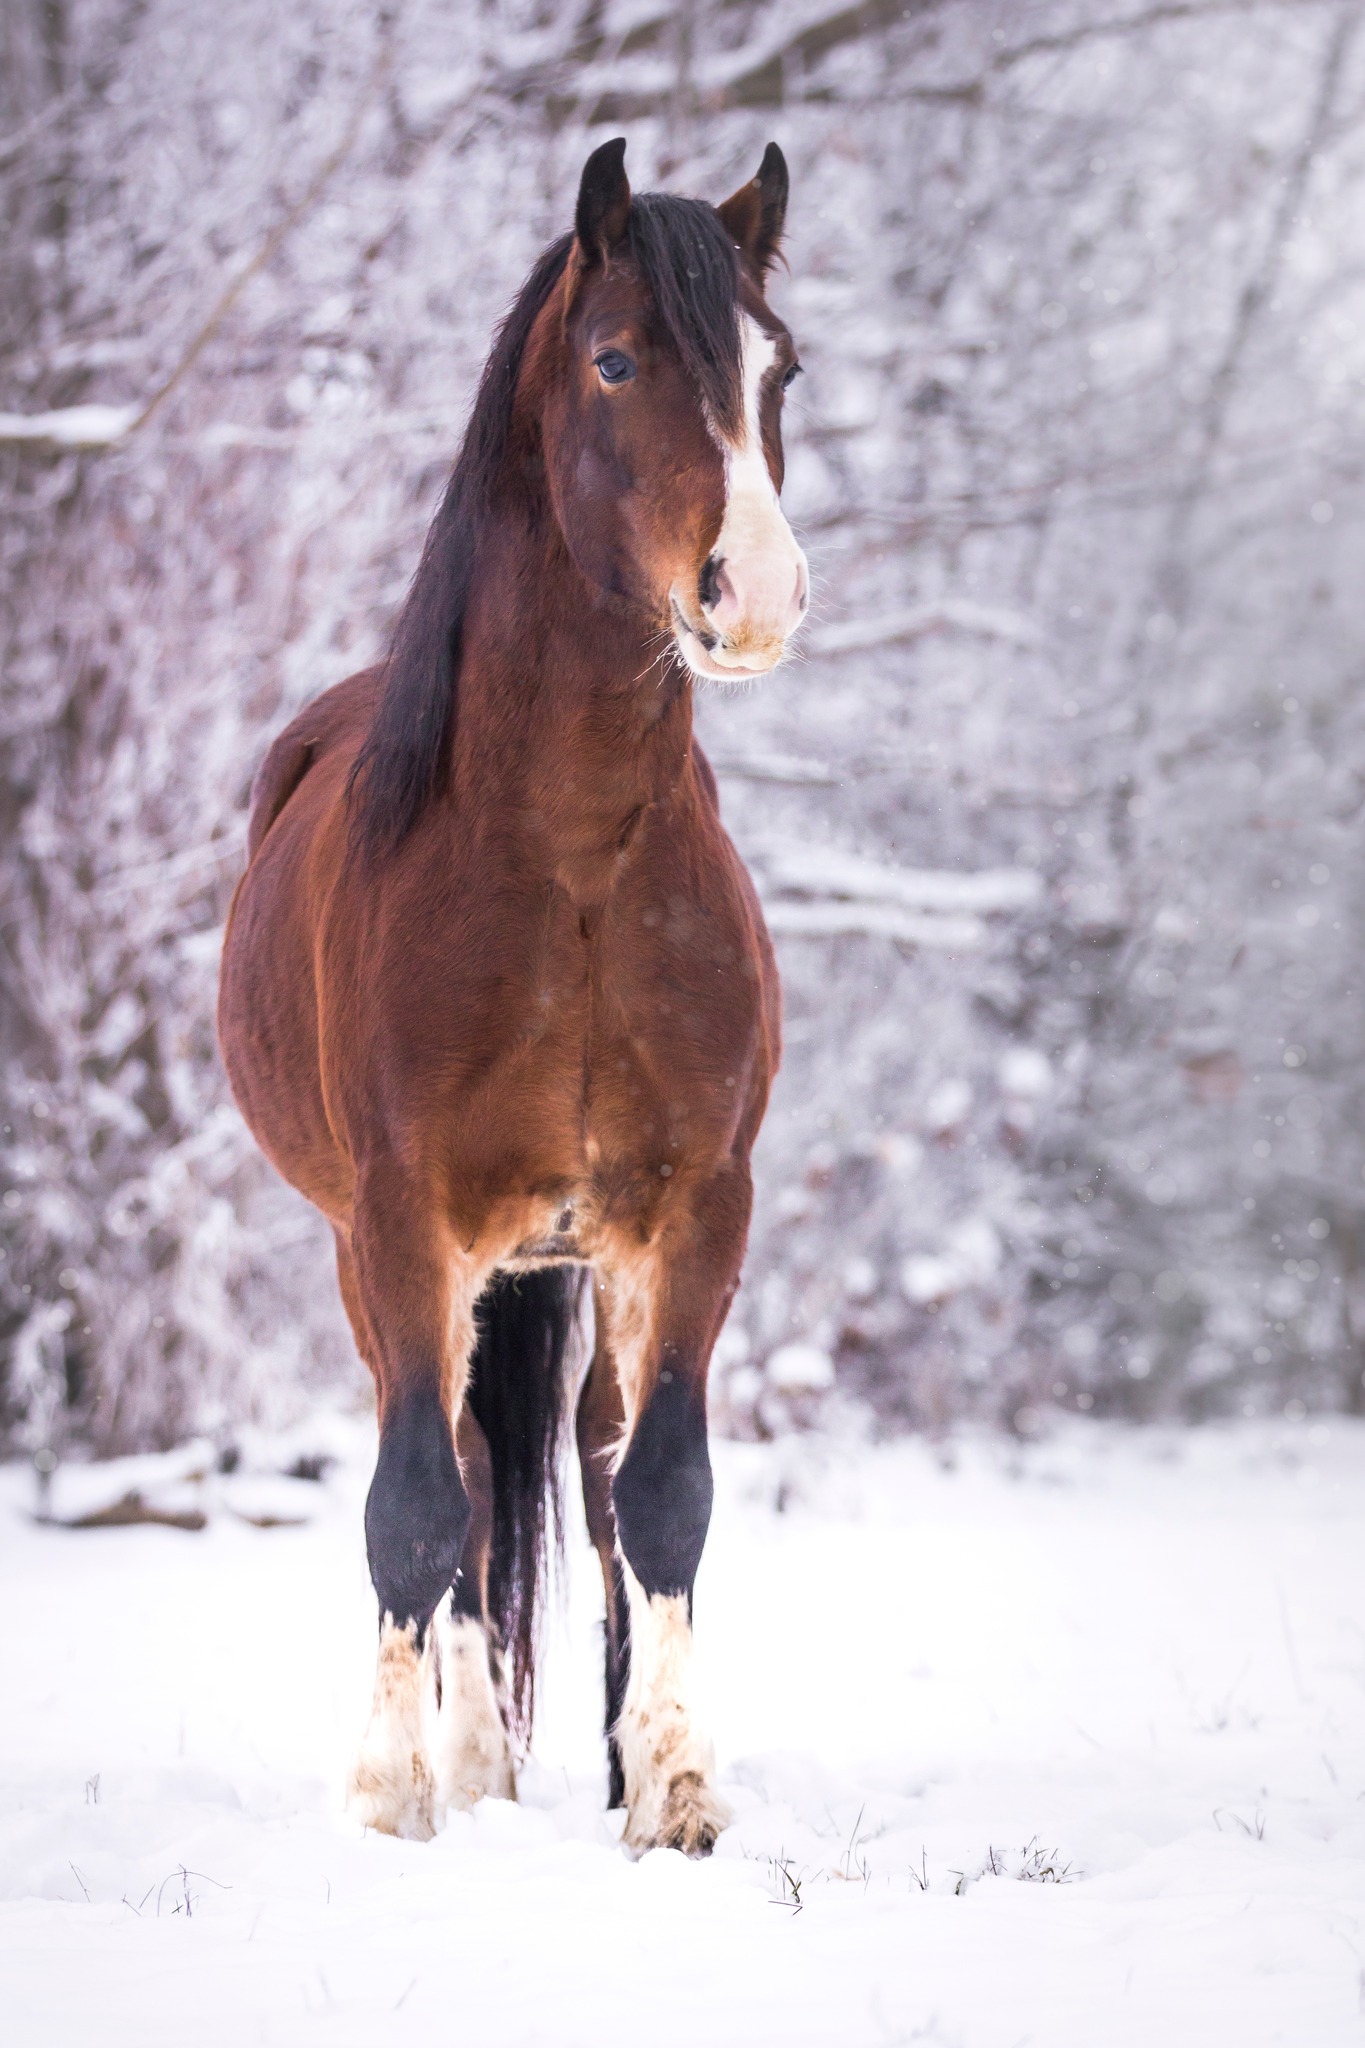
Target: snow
[(972, 1255), (1024, 1072), (800, 1369), (949, 1104), (939, 1681)]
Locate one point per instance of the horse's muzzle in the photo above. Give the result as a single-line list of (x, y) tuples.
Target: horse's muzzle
[(728, 657)]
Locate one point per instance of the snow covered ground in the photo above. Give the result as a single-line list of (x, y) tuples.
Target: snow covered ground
[(1061, 1746)]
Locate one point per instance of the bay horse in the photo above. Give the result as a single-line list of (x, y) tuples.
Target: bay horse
[(498, 998)]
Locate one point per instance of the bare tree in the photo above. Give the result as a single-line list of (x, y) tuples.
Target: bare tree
[(1055, 820)]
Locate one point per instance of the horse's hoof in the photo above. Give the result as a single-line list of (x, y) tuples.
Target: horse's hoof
[(391, 1798), (690, 1819)]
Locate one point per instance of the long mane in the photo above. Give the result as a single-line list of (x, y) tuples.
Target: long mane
[(690, 267)]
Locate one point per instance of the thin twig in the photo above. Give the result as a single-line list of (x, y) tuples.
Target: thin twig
[(273, 242)]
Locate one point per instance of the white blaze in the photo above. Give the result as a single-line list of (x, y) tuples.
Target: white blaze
[(761, 571), (753, 516)]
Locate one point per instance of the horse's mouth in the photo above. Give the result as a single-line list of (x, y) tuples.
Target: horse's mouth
[(707, 655)]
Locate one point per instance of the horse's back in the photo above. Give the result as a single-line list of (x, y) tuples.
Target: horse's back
[(268, 1007), (335, 722)]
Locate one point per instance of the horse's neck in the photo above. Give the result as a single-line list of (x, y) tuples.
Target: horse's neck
[(572, 712)]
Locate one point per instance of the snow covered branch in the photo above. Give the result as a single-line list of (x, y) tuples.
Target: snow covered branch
[(830, 871), (846, 894), (834, 919), (72, 426), (792, 769), (947, 615)]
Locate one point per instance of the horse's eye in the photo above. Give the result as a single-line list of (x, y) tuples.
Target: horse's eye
[(613, 367), (793, 373)]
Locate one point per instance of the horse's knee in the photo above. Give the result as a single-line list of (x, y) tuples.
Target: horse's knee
[(662, 1491), (417, 1513)]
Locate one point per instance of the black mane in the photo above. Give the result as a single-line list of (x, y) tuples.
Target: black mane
[(690, 267)]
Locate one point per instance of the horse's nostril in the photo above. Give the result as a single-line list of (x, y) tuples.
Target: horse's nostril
[(708, 583)]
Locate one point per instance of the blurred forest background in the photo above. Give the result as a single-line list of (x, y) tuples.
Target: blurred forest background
[(1056, 818)]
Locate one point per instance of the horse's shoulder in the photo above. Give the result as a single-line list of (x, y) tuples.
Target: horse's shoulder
[(339, 717)]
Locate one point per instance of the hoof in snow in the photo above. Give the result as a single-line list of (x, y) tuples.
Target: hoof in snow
[(392, 1798), (468, 1742), (391, 1787), (691, 1817)]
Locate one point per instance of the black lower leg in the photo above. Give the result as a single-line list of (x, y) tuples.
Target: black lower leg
[(466, 1602), (662, 1492), (417, 1512)]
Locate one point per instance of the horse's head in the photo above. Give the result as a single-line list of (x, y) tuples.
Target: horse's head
[(662, 420)]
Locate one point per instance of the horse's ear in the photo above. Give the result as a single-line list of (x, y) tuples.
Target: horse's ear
[(603, 201), (754, 216)]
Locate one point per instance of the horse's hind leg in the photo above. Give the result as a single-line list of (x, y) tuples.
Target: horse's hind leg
[(470, 1754), (600, 1426), (411, 1305)]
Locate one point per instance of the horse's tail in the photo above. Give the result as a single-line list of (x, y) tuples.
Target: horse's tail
[(519, 1393)]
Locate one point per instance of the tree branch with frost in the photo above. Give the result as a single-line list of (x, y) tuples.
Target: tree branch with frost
[(1060, 42), (768, 80), (764, 82), (834, 920), (791, 771), (17, 141), (1255, 297)]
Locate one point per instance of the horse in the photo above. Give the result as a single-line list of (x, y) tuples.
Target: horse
[(498, 998)]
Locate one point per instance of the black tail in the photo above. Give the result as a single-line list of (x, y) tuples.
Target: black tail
[(519, 1393)]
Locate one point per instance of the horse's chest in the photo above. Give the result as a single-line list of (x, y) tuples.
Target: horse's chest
[(591, 1047), (671, 1029)]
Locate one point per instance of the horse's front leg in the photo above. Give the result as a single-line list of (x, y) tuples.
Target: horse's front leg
[(664, 1314), (415, 1299)]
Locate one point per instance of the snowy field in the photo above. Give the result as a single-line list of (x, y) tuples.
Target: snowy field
[(1061, 1746)]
